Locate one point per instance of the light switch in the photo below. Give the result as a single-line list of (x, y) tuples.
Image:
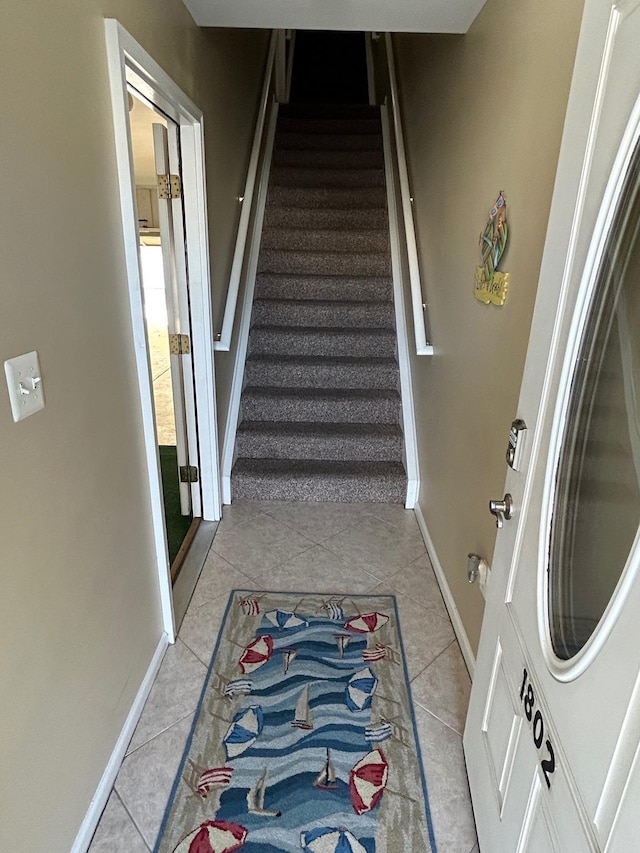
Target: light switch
[(25, 385)]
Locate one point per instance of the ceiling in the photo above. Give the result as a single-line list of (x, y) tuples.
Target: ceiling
[(430, 16)]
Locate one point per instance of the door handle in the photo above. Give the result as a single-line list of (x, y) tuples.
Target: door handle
[(503, 510)]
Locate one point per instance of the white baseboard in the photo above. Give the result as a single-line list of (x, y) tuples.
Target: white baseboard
[(99, 801), (454, 615)]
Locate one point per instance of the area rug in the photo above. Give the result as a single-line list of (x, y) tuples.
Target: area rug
[(304, 737)]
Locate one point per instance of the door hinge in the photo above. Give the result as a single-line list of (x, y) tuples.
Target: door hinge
[(179, 345), (188, 474), (169, 186)]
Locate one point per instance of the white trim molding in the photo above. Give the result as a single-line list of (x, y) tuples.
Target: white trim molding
[(404, 361), (130, 64), (223, 340), (233, 412), (454, 615), (103, 791), (418, 303)]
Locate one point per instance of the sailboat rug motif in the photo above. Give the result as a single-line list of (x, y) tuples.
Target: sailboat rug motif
[(304, 738)]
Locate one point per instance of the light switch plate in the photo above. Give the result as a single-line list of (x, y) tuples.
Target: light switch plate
[(25, 385)]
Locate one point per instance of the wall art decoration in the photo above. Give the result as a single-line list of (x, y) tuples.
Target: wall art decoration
[(491, 285)]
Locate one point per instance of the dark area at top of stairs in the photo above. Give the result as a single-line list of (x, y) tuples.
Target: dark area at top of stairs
[(320, 409), (329, 68)]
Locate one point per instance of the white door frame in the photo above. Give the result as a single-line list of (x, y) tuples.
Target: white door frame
[(129, 63)]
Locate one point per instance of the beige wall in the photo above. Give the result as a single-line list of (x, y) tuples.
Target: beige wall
[(79, 611), (483, 113)]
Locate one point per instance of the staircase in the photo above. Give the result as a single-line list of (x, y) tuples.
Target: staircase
[(320, 411)]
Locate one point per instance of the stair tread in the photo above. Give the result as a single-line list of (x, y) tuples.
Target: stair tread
[(322, 359), (327, 330), (333, 394), (319, 467), (314, 428), (324, 303)]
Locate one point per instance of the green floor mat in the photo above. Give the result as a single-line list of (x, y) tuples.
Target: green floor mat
[(177, 524)]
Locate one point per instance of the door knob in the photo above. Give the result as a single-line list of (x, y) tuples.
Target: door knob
[(503, 510)]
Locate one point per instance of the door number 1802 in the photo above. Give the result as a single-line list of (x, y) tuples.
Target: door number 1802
[(528, 699)]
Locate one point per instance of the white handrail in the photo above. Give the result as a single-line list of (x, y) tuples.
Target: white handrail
[(423, 346), (223, 342)]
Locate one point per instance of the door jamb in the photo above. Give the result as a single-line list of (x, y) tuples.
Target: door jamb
[(129, 63)]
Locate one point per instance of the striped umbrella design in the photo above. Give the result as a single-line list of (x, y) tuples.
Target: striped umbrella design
[(367, 623), (285, 619), (256, 654), (328, 839), (360, 690), (215, 777), (214, 836), (367, 781), (244, 730)]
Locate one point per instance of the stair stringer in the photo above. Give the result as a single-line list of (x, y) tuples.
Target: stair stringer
[(233, 412), (411, 462)]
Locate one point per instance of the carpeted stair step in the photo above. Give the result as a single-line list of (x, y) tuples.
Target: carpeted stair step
[(297, 176), (327, 141), (328, 197), (323, 240), (330, 126), (328, 158), (339, 405), (290, 312), (318, 480), (276, 340), (324, 263), (323, 287), (321, 372), (327, 219), (344, 442), (332, 111)]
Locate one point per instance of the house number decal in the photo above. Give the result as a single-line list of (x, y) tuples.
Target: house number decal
[(528, 699)]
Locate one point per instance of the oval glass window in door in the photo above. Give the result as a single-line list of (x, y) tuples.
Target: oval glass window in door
[(596, 512)]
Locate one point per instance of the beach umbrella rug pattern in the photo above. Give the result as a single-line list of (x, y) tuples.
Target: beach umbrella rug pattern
[(317, 750)]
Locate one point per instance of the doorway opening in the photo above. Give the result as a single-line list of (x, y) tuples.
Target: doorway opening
[(169, 379), (329, 68)]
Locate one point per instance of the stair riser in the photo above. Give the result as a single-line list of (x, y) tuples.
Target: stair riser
[(342, 489), (297, 141), (327, 376), (302, 240), (291, 176), (323, 263), (328, 159), (330, 315), (313, 197), (323, 289), (330, 111), (318, 410), (331, 343), (334, 220), (330, 126), (372, 448)]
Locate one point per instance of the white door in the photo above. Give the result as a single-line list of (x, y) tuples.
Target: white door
[(171, 225), (553, 731)]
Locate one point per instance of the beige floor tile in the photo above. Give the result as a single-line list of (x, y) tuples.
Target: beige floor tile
[(418, 581), (378, 547), (116, 832), (259, 544), (146, 777), (449, 797), (317, 570), (174, 694), (317, 521), (424, 633), (217, 578), (394, 514), (238, 512), (200, 627), (163, 402), (444, 687)]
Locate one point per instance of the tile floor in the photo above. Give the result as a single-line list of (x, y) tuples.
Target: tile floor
[(315, 547)]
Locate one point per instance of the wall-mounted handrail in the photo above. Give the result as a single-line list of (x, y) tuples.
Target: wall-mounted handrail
[(423, 346), (223, 340)]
